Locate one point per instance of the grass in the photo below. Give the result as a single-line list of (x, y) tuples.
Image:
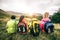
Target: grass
[(5, 36), (43, 36)]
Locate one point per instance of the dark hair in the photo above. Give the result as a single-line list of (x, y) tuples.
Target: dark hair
[(13, 17), (21, 18)]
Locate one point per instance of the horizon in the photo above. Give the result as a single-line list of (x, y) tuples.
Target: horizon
[(30, 6)]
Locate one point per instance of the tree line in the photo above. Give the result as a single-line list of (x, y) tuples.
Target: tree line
[(55, 18)]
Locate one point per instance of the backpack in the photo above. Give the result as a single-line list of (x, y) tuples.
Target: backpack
[(48, 27), (34, 29), (11, 26), (22, 29)]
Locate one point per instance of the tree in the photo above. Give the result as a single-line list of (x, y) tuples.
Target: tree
[(55, 18)]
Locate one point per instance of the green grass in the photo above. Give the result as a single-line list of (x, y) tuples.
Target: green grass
[(5, 36), (43, 36)]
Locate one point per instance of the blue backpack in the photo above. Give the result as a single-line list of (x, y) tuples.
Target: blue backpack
[(48, 26)]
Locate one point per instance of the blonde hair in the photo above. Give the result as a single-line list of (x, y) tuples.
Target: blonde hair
[(46, 15)]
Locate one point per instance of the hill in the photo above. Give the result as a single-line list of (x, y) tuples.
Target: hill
[(14, 13), (3, 14)]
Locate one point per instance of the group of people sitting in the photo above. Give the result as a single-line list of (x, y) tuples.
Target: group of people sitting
[(21, 26)]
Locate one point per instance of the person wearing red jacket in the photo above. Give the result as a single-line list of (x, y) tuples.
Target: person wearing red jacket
[(22, 25)]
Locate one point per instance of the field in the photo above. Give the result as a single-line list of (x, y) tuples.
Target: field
[(43, 36)]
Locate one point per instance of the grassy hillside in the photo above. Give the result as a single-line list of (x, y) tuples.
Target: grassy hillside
[(3, 17), (5, 36), (3, 14)]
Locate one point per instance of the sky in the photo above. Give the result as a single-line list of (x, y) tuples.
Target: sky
[(30, 6)]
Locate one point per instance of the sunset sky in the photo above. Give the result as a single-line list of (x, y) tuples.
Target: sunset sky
[(30, 6)]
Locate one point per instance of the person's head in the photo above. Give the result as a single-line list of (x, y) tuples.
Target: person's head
[(34, 16), (46, 15), (21, 18), (13, 17)]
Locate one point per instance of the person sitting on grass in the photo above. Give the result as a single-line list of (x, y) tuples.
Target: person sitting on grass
[(12, 25), (22, 25), (45, 19)]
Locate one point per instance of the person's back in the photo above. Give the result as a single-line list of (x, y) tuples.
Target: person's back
[(22, 21), (22, 26), (11, 26), (44, 20)]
